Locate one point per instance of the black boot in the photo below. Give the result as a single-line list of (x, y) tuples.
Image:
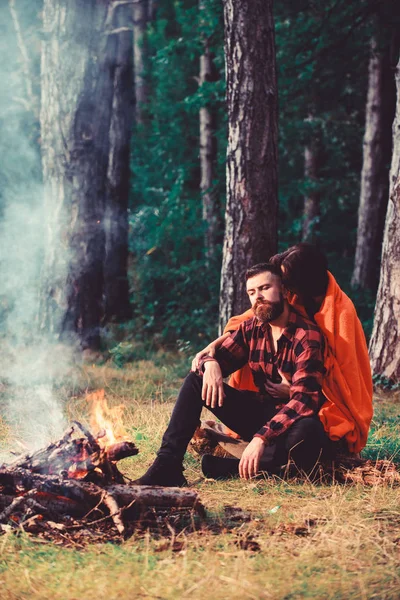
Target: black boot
[(165, 471), (216, 467)]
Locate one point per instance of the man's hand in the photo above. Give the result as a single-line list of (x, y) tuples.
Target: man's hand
[(213, 389), (279, 390), (209, 350), (250, 461)]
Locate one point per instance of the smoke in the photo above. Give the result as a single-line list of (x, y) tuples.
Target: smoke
[(32, 363)]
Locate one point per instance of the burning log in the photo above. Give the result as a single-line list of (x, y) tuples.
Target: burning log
[(78, 458), (77, 478), (121, 450)]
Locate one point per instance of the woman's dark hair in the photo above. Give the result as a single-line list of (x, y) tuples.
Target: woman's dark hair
[(304, 272)]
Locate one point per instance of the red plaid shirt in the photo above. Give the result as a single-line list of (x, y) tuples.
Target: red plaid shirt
[(299, 357)]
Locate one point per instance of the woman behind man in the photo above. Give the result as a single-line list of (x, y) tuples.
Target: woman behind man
[(347, 413)]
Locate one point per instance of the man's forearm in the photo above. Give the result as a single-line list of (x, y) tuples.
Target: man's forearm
[(283, 419), (231, 355)]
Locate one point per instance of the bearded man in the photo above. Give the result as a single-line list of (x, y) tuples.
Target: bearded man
[(277, 343)]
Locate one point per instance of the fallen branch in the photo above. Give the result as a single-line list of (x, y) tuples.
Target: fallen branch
[(115, 511), (62, 497)]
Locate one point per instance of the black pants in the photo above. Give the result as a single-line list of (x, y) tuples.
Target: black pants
[(245, 413)]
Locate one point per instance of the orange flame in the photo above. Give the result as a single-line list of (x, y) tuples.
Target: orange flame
[(74, 472), (106, 421)]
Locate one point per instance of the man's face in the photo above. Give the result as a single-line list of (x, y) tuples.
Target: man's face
[(266, 296)]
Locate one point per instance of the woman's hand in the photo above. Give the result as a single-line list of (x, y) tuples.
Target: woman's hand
[(280, 390), (208, 351)]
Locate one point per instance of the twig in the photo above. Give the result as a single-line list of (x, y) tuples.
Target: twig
[(85, 431), (90, 523), (115, 511), (93, 509), (34, 504), (15, 504)]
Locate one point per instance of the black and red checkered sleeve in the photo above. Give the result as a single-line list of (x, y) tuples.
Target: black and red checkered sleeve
[(233, 353), (305, 389)]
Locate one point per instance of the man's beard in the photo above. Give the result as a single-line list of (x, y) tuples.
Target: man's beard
[(269, 311)]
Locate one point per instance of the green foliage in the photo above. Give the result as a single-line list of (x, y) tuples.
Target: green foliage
[(383, 439), (175, 292), (122, 353), (322, 88), (322, 61), (385, 383)]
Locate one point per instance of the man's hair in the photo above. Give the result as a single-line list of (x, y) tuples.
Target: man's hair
[(263, 268), (305, 270)]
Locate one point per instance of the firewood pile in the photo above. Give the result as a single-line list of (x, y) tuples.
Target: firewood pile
[(72, 489)]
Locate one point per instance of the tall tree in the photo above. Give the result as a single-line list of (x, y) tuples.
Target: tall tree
[(116, 285), (251, 206), (385, 341), (377, 143), (142, 12), (208, 148), (77, 99)]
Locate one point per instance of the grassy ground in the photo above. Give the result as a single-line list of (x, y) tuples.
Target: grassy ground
[(262, 539)]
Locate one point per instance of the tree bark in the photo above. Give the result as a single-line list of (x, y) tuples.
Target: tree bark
[(251, 206), (385, 341), (141, 13), (116, 285), (375, 171), (78, 68), (208, 156)]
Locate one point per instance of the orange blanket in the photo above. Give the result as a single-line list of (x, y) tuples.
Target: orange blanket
[(347, 385)]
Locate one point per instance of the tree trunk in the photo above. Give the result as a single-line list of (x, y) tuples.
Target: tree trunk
[(385, 341), (208, 156), (152, 6), (312, 199), (77, 99), (141, 13), (251, 206), (116, 286), (375, 171)]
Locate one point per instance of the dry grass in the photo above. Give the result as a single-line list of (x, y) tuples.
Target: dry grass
[(290, 540)]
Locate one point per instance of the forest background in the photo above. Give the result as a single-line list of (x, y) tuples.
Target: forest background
[(114, 141), (336, 74)]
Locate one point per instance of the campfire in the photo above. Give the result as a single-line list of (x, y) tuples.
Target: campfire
[(80, 454), (76, 477)]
